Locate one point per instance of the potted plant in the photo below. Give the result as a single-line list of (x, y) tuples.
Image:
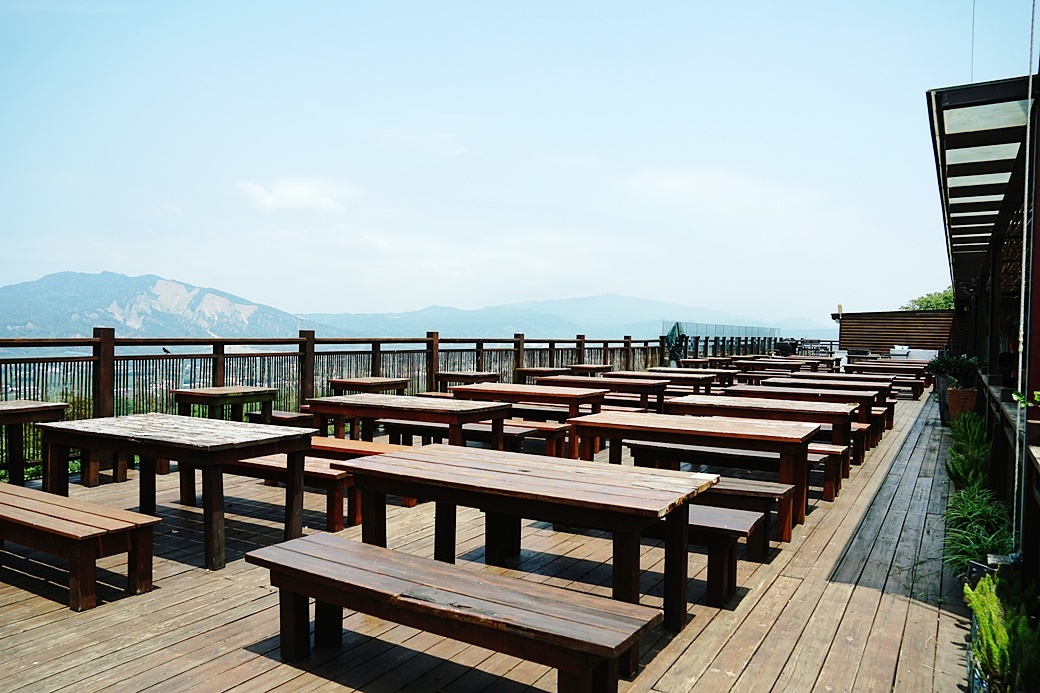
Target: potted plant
[(955, 383)]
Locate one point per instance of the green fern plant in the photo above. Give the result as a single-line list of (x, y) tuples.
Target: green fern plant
[(967, 462), (977, 524)]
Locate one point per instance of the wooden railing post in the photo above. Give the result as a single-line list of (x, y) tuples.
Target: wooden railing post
[(715, 346), (579, 344), (480, 356), (662, 347), (218, 364), (606, 353), (518, 353), (104, 372), (377, 360), (627, 360), (552, 354), (433, 358), (696, 347), (305, 387)]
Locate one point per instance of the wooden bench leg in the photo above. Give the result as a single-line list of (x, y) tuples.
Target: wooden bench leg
[(294, 626), (139, 561), (353, 507), (119, 467), (785, 517), (758, 541), (602, 677), (82, 575), (328, 624), (444, 532), (334, 508), (722, 570), (831, 478)]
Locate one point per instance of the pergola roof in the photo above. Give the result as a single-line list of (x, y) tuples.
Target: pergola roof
[(978, 134)]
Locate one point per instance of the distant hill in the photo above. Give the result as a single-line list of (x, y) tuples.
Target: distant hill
[(609, 316), (71, 304)]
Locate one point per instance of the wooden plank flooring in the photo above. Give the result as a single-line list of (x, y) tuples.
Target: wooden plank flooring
[(858, 601)]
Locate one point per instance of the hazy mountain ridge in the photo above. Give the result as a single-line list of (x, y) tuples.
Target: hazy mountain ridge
[(70, 304)]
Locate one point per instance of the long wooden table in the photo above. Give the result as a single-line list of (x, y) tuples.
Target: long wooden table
[(522, 374), (723, 376), (839, 416), (14, 414), (450, 411), (204, 444), (590, 369), (511, 486), (699, 378), (368, 384), (637, 386), (863, 399), (768, 364), (790, 439), (446, 378), (571, 397), (233, 396)]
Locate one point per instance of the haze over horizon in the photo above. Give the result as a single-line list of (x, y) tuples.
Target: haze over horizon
[(765, 160)]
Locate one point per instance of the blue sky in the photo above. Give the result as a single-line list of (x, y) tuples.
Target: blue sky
[(772, 160)]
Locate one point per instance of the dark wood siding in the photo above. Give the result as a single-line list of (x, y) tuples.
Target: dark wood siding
[(879, 332)]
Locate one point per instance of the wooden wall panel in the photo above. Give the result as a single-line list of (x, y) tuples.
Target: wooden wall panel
[(879, 332)]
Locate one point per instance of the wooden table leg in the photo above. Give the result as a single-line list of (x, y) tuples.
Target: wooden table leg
[(183, 409), (15, 436), (676, 567), (794, 469), (497, 439), (373, 517), (501, 537), (186, 480), (146, 486), (237, 412), (455, 434), (625, 584), (213, 515), (294, 495), (266, 411), (215, 411), (294, 626), (443, 532), (614, 450), (55, 468)]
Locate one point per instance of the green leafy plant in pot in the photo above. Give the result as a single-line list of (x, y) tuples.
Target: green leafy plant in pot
[(955, 383)]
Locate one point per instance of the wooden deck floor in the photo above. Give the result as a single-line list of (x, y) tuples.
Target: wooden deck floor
[(858, 601)]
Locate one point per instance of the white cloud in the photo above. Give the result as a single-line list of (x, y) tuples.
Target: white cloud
[(299, 193)]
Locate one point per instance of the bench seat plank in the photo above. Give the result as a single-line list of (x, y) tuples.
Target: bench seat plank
[(584, 636)]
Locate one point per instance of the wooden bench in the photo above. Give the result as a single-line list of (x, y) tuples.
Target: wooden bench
[(583, 636), (82, 533), (718, 529), (283, 418), (317, 473), (347, 449), (514, 432), (758, 496), (650, 454)]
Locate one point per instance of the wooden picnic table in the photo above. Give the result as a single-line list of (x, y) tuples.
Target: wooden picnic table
[(720, 361), (590, 368), (215, 399), (571, 397), (790, 439), (839, 415), (511, 486), (204, 444), (522, 374), (723, 376), (14, 414), (700, 379), (638, 386), (695, 363), (768, 364), (863, 399), (447, 410), (756, 377), (370, 385), (446, 378), (882, 389), (919, 372)]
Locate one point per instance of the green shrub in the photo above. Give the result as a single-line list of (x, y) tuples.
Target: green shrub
[(968, 460), (1006, 643), (977, 524), (959, 370)]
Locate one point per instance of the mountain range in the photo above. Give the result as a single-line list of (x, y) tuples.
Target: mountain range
[(70, 304)]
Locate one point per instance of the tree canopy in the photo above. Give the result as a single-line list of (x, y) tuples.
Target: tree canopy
[(937, 300)]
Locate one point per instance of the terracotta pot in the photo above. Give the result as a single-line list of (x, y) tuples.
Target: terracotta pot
[(960, 401)]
